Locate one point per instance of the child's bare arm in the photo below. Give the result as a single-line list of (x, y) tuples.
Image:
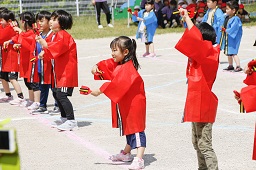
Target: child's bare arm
[(96, 92)]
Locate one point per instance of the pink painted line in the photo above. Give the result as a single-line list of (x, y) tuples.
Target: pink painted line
[(88, 145)]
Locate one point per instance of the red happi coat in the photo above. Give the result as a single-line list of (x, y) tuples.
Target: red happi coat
[(9, 55), (46, 66), (125, 89), (201, 103), (248, 97), (62, 53), (28, 60)]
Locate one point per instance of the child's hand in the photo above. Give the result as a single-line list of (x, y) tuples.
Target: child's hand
[(41, 55), (17, 29), (16, 46), (183, 13), (139, 19), (223, 29), (94, 69), (96, 92), (6, 44), (41, 41), (237, 96)]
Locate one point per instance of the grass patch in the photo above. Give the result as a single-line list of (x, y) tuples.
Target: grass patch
[(85, 27)]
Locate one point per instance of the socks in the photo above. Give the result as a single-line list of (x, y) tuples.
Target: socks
[(8, 94), (20, 95)]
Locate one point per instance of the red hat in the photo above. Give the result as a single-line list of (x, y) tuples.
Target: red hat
[(223, 5), (200, 10), (241, 6), (191, 6), (201, 5)]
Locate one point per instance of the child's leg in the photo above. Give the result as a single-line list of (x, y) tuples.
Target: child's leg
[(16, 86), (44, 92), (237, 61), (6, 87), (140, 152), (127, 148), (202, 142), (230, 60), (147, 48), (13, 77), (151, 46), (230, 63), (62, 111), (64, 103), (31, 95)]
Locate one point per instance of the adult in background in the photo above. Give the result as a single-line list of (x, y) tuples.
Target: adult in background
[(102, 4)]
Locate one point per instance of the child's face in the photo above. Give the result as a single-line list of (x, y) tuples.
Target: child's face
[(44, 24), (211, 4), (240, 10), (3, 22), (229, 11), (118, 55), (201, 14), (54, 24), (149, 7)]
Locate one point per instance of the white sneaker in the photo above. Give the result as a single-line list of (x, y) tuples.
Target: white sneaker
[(26, 103), (34, 106), (121, 157), (110, 25), (5, 99), (58, 122), (17, 101), (137, 163), (68, 125), (100, 26)]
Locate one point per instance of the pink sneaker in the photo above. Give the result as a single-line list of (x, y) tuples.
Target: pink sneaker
[(121, 157), (152, 55), (5, 99), (137, 163), (145, 54)]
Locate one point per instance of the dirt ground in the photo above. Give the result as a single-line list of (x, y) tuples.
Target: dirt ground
[(168, 140)]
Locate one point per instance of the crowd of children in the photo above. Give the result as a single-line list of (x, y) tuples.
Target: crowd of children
[(37, 48), (165, 11)]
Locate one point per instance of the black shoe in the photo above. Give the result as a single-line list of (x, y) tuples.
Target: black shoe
[(230, 67), (40, 110), (238, 68)]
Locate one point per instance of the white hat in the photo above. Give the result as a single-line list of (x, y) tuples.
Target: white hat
[(136, 7), (181, 1)]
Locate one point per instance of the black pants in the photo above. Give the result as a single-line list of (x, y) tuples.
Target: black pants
[(61, 97), (105, 8)]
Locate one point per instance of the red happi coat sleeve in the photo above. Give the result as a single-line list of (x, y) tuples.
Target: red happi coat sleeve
[(107, 67), (6, 34), (63, 50), (201, 102), (254, 147), (58, 46), (27, 52), (248, 97), (9, 55), (193, 46)]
